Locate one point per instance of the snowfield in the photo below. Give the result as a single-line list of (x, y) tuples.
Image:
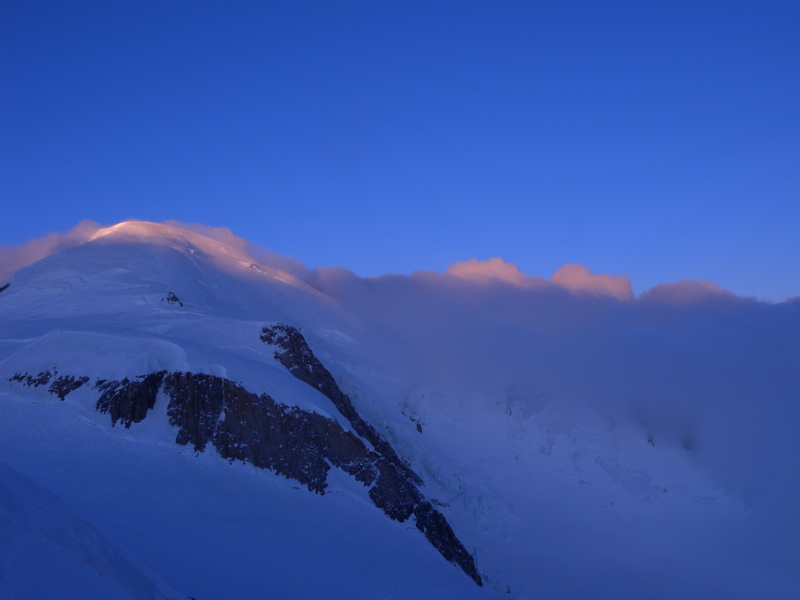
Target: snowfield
[(580, 445)]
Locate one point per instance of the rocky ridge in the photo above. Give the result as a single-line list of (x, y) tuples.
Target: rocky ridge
[(256, 429)]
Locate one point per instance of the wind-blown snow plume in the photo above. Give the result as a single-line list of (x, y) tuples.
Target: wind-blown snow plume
[(227, 237), (13, 258)]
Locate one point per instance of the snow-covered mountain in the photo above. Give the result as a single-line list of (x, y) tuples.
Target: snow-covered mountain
[(181, 420)]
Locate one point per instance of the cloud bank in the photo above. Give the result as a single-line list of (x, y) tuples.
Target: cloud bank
[(694, 364)]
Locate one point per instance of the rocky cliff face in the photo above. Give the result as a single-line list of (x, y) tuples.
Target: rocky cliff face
[(254, 428), (292, 351), (301, 445), (128, 401), (395, 489), (60, 385)]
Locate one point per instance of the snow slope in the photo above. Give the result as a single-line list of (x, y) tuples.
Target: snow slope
[(48, 551), (213, 530)]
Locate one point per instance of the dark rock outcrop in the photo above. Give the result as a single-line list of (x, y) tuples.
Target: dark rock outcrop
[(395, 490), (303, 446), (171, 298), (60, 385), (254, 428), (3, 288), (66, 384), (293, 352), (128, 401), (42, 378)]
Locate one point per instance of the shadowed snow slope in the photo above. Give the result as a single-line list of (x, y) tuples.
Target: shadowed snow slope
[(49, 552), (582, 443)]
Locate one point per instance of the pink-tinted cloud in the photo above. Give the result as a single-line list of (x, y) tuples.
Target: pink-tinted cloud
[(575, 278), (494, 269), (687, 291), (13, 258), (578, 278)]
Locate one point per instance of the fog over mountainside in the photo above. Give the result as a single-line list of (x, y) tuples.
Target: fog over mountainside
[(563, 436)]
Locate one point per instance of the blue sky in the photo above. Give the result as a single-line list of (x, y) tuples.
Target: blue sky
[(656, 139)]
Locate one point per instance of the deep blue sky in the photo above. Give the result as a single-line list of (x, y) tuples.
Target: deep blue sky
[(657, 139)]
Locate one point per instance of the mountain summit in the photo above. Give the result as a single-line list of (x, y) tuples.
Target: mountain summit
[(169, 336)]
